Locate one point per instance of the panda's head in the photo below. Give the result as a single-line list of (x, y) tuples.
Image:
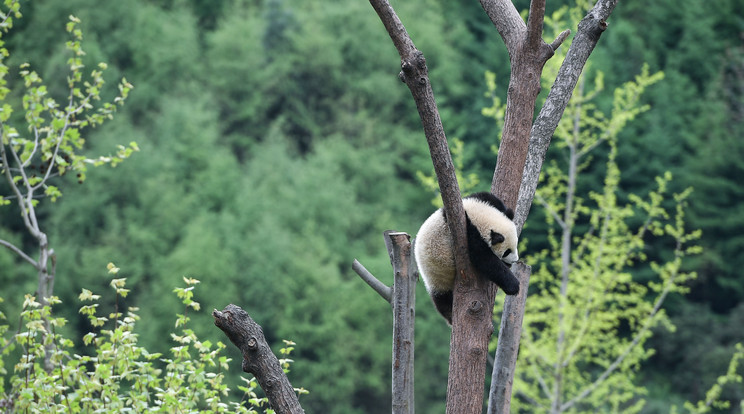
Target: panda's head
[(494, 222), (504, 244)]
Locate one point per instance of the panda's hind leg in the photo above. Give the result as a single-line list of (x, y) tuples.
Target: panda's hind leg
[(443, 303)]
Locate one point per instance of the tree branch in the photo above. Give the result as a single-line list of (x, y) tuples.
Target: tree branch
[(506, 353), (404, 314), (587, 36), (395, 28), (467, 352), (382, 289), (25, 202), (535, 24), (258, 359), (508, 22), (19, 252), (414, 74)]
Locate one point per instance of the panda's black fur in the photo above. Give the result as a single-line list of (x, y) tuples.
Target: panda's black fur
[(492, 248)]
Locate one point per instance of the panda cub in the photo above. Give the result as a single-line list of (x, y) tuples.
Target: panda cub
[(492, 247)]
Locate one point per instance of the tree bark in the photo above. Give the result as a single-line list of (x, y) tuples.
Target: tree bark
[(470, 334), (258, 359), (404, 314), (402, 299)]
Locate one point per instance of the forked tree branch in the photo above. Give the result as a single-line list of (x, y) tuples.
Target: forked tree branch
[(473, 298), (586, 38), (402, 298)]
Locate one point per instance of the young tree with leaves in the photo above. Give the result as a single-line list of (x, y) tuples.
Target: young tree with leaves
[(33, 158), (587, 319)]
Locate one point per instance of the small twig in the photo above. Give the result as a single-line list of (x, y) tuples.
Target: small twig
[(560, 39), (19, 252)]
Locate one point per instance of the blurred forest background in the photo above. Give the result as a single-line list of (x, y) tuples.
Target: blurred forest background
[(277, 144)]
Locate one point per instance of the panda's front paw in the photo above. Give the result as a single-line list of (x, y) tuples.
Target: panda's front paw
[(510, 285)]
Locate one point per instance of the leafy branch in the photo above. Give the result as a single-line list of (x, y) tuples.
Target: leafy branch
[(50, 143)]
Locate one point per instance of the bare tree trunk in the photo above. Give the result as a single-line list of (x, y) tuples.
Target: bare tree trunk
[(402, 298), (258, 359), (404, 315)]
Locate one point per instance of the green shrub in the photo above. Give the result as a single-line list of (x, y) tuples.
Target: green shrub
[(118, 375)]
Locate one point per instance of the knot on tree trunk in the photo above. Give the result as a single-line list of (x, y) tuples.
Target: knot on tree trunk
[(593, 27), (414, 67), (475, 308)]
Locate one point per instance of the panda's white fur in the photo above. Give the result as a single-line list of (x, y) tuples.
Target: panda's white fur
[(433, 244)]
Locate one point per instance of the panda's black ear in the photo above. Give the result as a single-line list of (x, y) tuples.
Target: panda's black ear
[(496, 238), (509, 213)]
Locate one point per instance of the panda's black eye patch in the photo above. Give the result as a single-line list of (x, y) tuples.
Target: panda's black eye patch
[(507, 252), (496, 238)]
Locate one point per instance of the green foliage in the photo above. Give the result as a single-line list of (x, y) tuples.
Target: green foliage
[(692, 128), (55, 141), (118, 374), (712, 397), (497, 110), (50, 144), (699, 351)]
